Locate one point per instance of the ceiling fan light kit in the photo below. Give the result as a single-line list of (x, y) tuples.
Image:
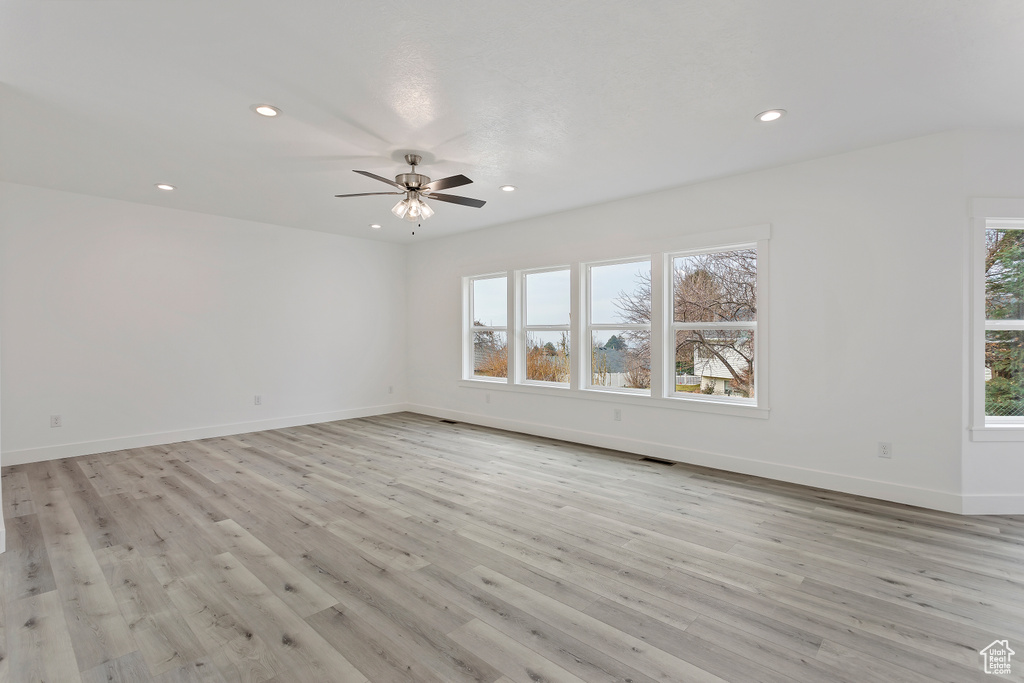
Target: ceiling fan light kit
[(416, 187), (412, 209)]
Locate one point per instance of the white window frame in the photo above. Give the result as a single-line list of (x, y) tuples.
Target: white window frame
[(468, 364), (985, 214), (672, 326), (662, 392), (523, 329), (584, 362)]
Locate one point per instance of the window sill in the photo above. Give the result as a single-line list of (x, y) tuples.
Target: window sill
[(499, 381), (611, 396), (1009, 432)]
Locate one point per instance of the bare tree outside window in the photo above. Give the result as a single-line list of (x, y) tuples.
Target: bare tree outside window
[(1004, 303), (718, 287)]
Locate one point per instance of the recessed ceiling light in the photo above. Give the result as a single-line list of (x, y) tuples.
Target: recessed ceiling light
[(265, 110), (508, 188), (164, 186), (375, 226), (771, 115)]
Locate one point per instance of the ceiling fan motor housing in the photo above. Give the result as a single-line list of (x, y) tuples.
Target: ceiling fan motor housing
[(412, 181)]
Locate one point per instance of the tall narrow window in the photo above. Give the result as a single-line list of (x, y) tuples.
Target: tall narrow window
[(714, 322), (619, 326), (488, 326), (1004, 322), (545, 352)]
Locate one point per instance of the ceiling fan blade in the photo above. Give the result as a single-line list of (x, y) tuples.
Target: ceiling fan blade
[(380, 178), (450, 181), (366, 194), (465, 201)]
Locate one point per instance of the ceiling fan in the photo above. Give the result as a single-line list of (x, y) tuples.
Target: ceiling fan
[(416, 187)]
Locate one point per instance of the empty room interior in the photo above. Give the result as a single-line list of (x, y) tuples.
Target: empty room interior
[(534, 342)]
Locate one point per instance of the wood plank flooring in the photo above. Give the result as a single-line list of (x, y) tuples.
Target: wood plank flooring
[(400, 548)]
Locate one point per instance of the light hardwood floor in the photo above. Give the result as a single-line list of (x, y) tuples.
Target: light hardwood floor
[(402, 548)]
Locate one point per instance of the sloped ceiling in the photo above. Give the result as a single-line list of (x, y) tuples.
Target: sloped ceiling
[(573, 102)]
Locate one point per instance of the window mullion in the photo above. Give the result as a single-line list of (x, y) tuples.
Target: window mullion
[(513, 306), (467, 328), (577, 327), (659, 319)]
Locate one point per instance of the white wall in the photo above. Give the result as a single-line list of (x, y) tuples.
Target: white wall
[(141, 325), (866, 287)]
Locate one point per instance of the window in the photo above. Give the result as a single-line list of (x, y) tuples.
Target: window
[(545, 353), (714, 320), (996, 356), (488, 327), (680, 329), (1004, 322), (619, 325)]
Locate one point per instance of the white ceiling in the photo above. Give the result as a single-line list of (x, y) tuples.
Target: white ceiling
[(574, 102)]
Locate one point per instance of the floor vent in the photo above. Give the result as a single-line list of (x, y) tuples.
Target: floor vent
[(450, 422), (658, 460)]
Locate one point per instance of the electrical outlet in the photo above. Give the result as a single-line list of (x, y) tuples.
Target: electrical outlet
[(487, 398), (884, 449), (257, 400), (618, 415), (391, 390), (55, 420)]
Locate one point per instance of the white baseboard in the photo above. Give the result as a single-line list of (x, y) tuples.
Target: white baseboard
[(70, 450), (897, 493), (993, 504)]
